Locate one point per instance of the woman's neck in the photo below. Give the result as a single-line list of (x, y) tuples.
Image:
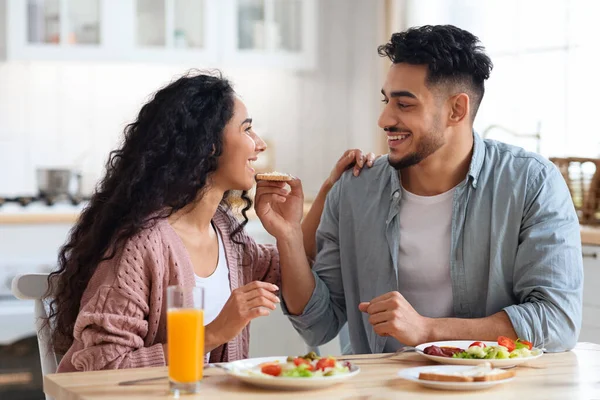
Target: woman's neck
[(197, 217)]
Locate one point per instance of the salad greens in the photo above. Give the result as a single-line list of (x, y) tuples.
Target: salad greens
[(307, 366), (506, 348)]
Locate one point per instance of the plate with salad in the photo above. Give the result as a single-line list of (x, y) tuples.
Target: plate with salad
[(297, 373), (504, 353)]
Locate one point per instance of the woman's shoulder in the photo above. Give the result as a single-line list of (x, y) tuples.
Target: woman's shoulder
[(157, 238)]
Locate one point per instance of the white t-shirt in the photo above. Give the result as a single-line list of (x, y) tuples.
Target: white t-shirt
[(424, 254), (216, 286)]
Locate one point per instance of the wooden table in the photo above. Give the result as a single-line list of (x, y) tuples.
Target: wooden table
[(572, 375)]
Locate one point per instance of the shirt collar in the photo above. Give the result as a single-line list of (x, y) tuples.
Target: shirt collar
[(474, 168)]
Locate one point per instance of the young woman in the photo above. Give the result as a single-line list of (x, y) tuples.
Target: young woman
[(161, 216)]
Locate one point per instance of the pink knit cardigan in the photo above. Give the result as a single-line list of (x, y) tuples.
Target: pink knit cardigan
[(122, 317)]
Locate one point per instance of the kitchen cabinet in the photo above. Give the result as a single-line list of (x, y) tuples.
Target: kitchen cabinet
[(273, 33), (590, 329), (53, 30), (202, 33)]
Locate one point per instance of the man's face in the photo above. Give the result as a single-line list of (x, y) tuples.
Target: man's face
[(412, 117)]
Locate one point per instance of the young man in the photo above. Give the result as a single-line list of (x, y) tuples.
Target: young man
[(449, 236)]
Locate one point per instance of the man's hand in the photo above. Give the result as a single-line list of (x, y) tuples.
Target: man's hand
[(391, 315)]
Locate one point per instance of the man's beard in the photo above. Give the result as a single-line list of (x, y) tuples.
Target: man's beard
[(427, 146)]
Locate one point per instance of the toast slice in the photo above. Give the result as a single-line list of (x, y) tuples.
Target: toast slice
[(496, 375), (430, 376), (274, 176), (480, 373)]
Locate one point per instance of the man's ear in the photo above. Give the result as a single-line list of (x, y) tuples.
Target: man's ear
[(459, 108)]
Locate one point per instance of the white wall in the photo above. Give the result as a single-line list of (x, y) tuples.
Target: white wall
[(545, 57), (74, 113)]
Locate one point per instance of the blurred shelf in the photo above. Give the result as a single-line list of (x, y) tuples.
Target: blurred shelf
[(590, 235)]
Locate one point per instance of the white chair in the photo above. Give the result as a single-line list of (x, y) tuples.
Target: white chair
[(35, 287)]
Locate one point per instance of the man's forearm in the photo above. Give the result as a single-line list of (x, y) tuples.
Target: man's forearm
[(297, 280), (488, 328)]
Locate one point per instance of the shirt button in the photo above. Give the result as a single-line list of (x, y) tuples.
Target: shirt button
[(396, 195)]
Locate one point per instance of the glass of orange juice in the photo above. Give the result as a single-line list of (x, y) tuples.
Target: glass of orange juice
[(185, 338)]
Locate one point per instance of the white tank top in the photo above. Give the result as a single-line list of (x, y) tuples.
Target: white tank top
[(216, 286)]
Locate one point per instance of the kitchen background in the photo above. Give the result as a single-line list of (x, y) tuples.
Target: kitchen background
[(74, 72)]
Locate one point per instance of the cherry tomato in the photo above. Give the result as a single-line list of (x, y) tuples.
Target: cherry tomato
[(480, 344), (506, 342), (271, 369), (300, 361), (325, 363), (526, 343)]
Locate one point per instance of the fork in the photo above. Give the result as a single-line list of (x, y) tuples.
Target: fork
[(405, 349)]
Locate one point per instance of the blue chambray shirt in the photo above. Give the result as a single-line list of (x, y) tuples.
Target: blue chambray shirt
[(515, 246)]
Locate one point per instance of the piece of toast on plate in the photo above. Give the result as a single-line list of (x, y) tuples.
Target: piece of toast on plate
[(480, 373), (274, 176)]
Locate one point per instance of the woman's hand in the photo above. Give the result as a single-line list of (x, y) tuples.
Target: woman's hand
[(351, 158), (280, 210), (256, 299)]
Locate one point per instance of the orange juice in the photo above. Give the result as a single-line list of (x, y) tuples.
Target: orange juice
[(185, 344)]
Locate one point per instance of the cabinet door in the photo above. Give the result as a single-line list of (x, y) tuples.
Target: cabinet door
[(175, 31), (55, 29), (590, 329), (270, 33)]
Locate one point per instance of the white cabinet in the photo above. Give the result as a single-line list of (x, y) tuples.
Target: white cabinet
[(53, 29), (276, 33), (182, 31), (203, 33), (590, 330)]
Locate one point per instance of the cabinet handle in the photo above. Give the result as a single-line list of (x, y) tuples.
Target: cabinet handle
[(590, 255)]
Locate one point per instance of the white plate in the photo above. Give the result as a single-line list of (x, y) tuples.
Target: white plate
[(237, 368), (412, 374), (464, 344)]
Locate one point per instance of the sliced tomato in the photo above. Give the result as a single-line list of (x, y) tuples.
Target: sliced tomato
[(300, 361), (325, 363), (271, 369), (479, 344), (506, 342), (525, 343)]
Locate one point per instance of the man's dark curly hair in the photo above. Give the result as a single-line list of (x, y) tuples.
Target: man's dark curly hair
[(164, 164), (453, 57)]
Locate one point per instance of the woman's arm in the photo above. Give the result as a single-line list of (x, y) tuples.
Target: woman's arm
[(351, 158)]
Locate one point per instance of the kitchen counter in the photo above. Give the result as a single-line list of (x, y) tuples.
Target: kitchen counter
[(32, 215), (590, 235)]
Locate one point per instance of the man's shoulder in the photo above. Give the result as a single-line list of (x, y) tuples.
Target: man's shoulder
[(375, 177), (515, 160)]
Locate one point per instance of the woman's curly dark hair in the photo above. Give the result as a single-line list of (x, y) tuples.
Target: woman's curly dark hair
[(164, 164), (452, 55)]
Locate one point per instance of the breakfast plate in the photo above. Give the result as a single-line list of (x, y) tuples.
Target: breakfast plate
[(250, 371), (499, 356), (413, 374)]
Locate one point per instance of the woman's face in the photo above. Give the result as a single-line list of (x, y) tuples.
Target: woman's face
[(241, 146)]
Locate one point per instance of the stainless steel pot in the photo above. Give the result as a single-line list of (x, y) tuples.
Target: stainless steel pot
[(54, 182)]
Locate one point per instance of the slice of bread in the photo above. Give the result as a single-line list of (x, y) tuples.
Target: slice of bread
[(480, 373), (274, 176), (431, 376)]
